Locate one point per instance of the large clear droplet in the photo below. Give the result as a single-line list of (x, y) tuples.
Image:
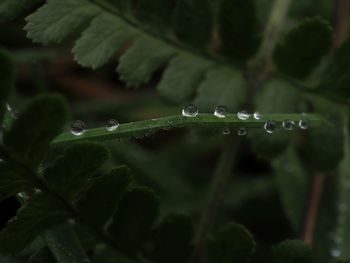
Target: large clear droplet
[(270, 127), (335, 252), (112, 125), (242, 131), (220, 111), (304, 124), (288, 125), (257, 115), (243, 115), (226, 131), (190, 111), (77, 128)]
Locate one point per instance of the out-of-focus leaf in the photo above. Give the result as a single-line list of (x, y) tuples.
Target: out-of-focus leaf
[(7, 78), (40, 122), (102, 196), (238, 27), (303, 48), (275, 96), (142, 59), (172, 240), (58, 19), (233, 243), (193, 21), (10, 9), (44, 255), (221, 86), (71, 171), (292, 251), (132, 222), (183, 76), (292, 183), (155, 12), (104, 37), (31, 220)]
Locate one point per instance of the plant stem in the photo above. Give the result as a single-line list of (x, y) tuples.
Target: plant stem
[(219, 183), (272, 34), (148, 127), (341, 21), (311, 217)]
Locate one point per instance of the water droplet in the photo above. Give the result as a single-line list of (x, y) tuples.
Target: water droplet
[(23, 195), (304, 124), (335, 252), (288, 125), (242, 131), (190, 111), (243, 115), (8, 107), (220, 111), (257, 115), (77, 128), (112, 125), (270, 127), (226, 131)]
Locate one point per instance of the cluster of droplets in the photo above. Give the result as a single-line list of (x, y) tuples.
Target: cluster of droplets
[(78, 127), (270, 126)]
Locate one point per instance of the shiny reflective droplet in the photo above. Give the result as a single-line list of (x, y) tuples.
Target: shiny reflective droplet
[(77, 128), (8, 107), (304, 124), (23, 195), (242, 131), (226, 131), (220, 111), (190, 111), (257, 115), (270, 127), (288, 125), (335, 253), (112, 125), (243, 115)]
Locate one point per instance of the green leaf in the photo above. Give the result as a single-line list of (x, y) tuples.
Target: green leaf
[(71, 171), (41, 213), (172, 240), (292, 251), (275, 96), (11, 181), (142, 59), (292, 183), (303, 48), (42, 256), (336, 78), (40, 122), (327, 155), (232, 243), (132, 222), (103, 195), (10, 9), (105, 36), (222, 86), (182, 77), (155, 12), (193, 21), (58, 19), (238, 28), (7, 79)]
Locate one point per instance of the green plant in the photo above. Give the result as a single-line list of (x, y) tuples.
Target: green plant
[(75, 209)]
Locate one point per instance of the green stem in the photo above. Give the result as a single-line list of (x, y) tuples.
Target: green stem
[(146, 127), (219, 184)]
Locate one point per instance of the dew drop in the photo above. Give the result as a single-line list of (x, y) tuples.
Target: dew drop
[(220, 111), (226, 131), (112, 125), (270, 127), (77, 128), (288, 125), (304, 124), (243, 115), (190, 111), (257, 115), (242, 131)]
